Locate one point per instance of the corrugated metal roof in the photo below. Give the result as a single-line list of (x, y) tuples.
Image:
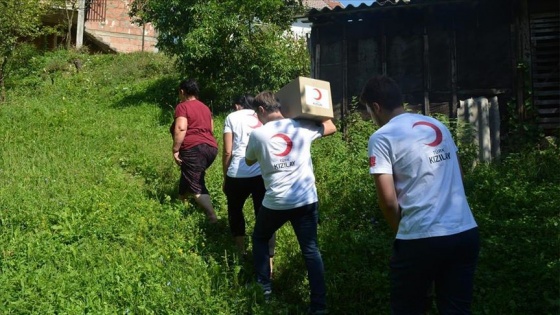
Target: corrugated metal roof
[(381, 4), (378, 3)]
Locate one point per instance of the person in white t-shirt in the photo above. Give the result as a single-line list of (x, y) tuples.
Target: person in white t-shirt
[(417, 175), (282, 147), (241, 180)]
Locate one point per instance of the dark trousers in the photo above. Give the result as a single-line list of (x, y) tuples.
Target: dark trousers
[(237, 191), (304, 223), (447, 263), (196, 161)]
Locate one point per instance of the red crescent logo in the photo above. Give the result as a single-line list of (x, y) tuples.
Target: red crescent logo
[(289, 144), (439, 135), (319, 94), (372, 161), (257, 124)]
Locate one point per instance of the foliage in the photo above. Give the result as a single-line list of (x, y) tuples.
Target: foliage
[(20, 66), (230, 47), (516, 204), (20, 19), (463, 135), (522, 124), (89, 221), (69, 14)]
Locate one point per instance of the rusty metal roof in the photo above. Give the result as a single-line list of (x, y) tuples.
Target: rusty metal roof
[(316, 14), (321, 4), (380, 5), (316, 7)]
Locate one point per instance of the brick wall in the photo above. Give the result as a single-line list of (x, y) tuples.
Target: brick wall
[(117, 30)]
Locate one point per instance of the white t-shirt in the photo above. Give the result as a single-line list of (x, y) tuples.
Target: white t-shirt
[(420, 153), (283, 149), (241, 124)]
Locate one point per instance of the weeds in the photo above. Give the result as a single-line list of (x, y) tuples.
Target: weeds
[(90, 223)]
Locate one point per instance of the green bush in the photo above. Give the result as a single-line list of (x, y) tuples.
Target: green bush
[(516, 205)]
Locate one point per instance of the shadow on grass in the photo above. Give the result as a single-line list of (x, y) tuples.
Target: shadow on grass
[(287, 290), (162, 92), (356, 255)]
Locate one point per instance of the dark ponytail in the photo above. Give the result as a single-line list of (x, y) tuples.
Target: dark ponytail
[(245, 101)]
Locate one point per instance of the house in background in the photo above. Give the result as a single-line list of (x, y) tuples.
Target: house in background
[(107, 28), (301, 27), (108, 23)]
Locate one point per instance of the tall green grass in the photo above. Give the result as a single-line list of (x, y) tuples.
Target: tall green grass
[(90, 223)]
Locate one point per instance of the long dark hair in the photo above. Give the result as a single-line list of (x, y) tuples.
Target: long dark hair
[(245, 101)]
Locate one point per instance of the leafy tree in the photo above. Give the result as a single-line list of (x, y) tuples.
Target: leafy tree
[(70, 9), (19, 20), (229, 46)]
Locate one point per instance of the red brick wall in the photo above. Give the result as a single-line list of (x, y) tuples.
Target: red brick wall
[(119, 32)]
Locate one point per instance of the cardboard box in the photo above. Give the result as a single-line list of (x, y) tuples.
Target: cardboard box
[(306, 98)]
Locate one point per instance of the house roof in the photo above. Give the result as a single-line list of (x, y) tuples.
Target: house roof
[(377, 5), (321, 4)]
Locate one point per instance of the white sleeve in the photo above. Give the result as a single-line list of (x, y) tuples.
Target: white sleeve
[(379, 153), (228, 125), (250, 153)]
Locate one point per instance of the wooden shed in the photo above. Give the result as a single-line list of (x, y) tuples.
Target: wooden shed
[(444, 51)]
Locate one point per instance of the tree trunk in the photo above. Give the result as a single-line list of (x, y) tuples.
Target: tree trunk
[(69, 20), (2, 86), (69, 36)]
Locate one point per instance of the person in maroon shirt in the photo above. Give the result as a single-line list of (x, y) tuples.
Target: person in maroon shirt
[(194, 146)]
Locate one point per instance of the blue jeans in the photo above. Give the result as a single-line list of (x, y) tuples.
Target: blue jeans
[(304, 222)]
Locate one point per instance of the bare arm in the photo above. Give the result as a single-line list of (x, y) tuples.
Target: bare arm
[(179, 133), (387, 199), (227, 148), (329, 128), (250, 162)]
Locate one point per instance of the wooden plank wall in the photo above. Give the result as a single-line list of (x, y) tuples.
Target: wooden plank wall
[(446, 53), (545, 39)]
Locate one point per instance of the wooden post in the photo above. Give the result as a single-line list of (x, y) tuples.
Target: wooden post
[(80, 24), (494, 116), (344, 110), (383, 49), (524, 56), (483, 121), (317, 64), (143, 34), (426, 73), (453, 50)]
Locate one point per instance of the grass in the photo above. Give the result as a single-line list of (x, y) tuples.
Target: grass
[(90, 223)]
